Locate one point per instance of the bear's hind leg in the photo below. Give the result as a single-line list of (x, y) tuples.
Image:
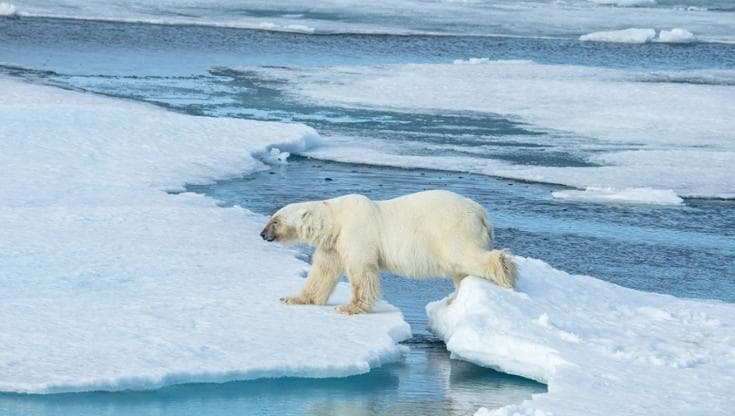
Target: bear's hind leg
[(326, 269), (457, 281), (365, 282), (495, 265)]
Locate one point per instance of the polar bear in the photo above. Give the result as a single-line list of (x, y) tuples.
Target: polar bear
[(426, 234)]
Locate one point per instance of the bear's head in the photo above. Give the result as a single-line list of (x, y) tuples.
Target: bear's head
[(304, 222)]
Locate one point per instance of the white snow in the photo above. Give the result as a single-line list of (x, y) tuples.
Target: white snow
[(676, 35), (7, 9), (601, 348), (628, 195), (632, 35), (642, 130), (110, 283)]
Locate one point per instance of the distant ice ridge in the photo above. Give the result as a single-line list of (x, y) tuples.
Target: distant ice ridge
[(633, 35), (628, 195), (601, 348), (667, 130), (7, 9), (110, 283)]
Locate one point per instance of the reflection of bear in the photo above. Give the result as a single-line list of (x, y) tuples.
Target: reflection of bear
[(426, 234)]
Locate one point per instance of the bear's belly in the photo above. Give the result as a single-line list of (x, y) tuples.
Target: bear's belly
[(414, 263)]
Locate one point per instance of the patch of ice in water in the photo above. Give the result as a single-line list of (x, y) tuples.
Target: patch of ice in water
[(631, 35), (625, 3), (275, 155), (625, 196), (7, 9), (601, 348), (676, 35), (110, 283)]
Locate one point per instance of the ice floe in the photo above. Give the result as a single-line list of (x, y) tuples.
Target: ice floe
[(601, 348), (7, 9), (628, 195), (668, 130), (635, 35), (632, 35), (676, 35), (111, 283)]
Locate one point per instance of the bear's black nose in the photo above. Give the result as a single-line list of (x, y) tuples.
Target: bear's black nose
[(262, 234)]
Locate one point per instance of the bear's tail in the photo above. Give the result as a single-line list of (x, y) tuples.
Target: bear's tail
[(502, 269)]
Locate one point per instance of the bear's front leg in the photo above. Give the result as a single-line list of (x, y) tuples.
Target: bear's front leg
[(365, 282), (326, 269)]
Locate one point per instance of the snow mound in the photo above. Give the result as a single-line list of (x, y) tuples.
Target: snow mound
[(676, 35), (601, 348), (631, 35), (628, 195), (7, 9), (110, 283)]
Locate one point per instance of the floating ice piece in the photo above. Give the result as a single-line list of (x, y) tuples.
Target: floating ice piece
[(601, 348), (676, 35), (109, 283), (625, 196), (625, 3), (632, 35), (7, 9), (275, 155)]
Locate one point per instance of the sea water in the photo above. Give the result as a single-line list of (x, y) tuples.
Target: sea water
[(685, 250)]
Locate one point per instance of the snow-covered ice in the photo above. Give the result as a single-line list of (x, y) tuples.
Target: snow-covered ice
[(109, 283), (669, 130), (628, 195), (601, 348)]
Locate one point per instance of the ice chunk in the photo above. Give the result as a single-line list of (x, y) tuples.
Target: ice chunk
[(110, 283), (7, 9), (628, 195), (676, 35), (631, 35), (625, 3), (275, 155), (601, 348)]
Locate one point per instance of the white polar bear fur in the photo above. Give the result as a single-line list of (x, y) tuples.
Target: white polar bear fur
[(425, 234)]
